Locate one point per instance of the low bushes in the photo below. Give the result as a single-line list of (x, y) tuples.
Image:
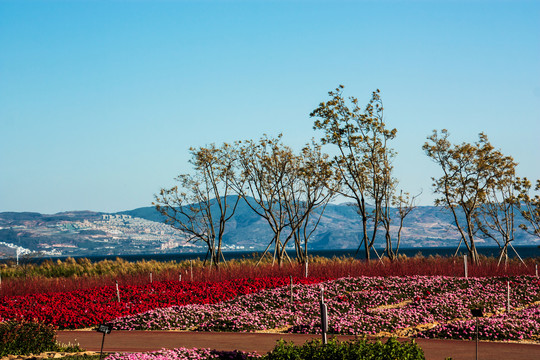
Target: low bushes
[(349, 350), (359, 349), (25, 337)]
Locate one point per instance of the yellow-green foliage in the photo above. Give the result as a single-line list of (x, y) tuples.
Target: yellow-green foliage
[(84, 267)]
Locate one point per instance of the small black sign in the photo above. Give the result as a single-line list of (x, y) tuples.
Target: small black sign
[(105, 328), (477, 312)]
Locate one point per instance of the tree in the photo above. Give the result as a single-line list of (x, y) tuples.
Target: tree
[(529, 206), (266, 168), (289, 191), (200, 205), (313, 189), (363, 160), (403, 204), (495, 217), (470, 173)]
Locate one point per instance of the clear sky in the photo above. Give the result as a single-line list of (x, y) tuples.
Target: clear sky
[(101, 100)]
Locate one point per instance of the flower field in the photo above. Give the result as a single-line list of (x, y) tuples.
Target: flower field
[(89, 307), (184, 354), (416, 297), (416, 306)]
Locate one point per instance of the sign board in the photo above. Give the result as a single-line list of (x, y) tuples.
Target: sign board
[(477, 312), (105, 328)]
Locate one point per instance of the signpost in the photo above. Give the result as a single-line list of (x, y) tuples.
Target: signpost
[(105, 329), (477, 313)]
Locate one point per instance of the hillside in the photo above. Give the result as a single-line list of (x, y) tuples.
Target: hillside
[(142, 230)]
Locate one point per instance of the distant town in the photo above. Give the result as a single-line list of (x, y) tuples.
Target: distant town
[(96, 235)]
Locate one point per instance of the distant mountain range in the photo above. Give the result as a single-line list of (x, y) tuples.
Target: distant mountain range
[(341, 228), (142, 230)]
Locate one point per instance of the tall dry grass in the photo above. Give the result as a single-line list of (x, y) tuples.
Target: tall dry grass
[(80, 274)]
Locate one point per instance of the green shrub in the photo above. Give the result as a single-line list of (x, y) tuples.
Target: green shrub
[(359, 349), (26, 337)]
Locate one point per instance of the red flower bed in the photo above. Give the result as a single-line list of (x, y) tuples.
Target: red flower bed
[(83, 308)]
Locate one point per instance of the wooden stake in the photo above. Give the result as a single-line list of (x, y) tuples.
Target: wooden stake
[(150, 278), (191, 268), (291, 290), (508, 296), (465, 266), (324, 318), (117, 291)]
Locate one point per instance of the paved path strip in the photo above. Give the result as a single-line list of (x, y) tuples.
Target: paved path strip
[(142, 341)]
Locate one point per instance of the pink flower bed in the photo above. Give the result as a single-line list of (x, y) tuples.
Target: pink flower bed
[(366, 305)]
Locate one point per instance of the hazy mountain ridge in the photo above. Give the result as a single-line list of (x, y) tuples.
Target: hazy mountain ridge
[(340, 228), (142, 230)]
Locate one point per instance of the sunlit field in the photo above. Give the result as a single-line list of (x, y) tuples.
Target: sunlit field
[(411, 297)]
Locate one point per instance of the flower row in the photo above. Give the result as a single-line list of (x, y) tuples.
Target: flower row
[(83, 308), (397, 305)]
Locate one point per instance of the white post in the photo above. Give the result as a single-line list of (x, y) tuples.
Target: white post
[(324, 318), (17, 251), (150, 278), (508, 296), (465, 266), (306, 268), (291, 290), (179, 277), (117, 291), (191, 269), (536, 268)]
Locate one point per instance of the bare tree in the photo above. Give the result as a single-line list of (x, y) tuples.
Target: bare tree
[(495, 218), (266, 167), (470, 172), (289, 191), (529, 205), (364, 158), (403, 205), (313, 189), (200, 205)]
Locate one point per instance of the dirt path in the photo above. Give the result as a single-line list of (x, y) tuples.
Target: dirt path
[(139, 341)]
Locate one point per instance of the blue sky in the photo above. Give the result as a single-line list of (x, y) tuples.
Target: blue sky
[(101, 100)]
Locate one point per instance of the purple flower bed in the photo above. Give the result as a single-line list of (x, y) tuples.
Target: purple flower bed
[(184, 354), (517, 325), (366, 305)]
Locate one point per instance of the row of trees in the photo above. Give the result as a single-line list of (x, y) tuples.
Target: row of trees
[(291, 190)]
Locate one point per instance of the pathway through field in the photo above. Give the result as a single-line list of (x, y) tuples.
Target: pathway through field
[(140, 341)]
